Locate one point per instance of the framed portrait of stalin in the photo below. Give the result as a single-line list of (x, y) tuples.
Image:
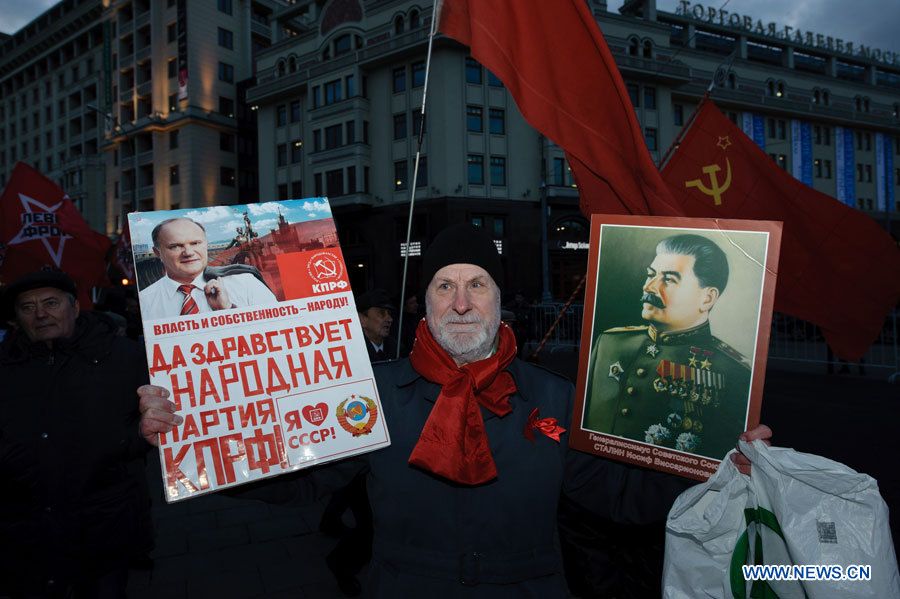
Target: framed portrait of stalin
[(674, 342)]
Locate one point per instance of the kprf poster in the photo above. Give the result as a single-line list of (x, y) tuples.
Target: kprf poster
[(250, 323)]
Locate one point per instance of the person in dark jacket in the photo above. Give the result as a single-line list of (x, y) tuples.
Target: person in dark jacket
[(376, 316), (73, 511), (465, 497)]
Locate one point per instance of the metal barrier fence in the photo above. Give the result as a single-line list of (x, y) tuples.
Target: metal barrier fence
[(791, 339)]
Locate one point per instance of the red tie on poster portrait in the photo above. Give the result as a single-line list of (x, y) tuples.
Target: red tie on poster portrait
[(41, 228)]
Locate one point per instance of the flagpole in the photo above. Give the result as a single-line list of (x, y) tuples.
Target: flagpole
[(722, 70), (412, 193)]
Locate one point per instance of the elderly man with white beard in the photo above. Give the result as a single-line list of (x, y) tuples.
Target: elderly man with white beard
[(465, 498)]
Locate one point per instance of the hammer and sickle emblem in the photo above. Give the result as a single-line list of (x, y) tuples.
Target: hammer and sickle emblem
[(714, 190)]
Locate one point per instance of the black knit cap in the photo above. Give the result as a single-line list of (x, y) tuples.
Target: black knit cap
[(462, 244), (34, 280)]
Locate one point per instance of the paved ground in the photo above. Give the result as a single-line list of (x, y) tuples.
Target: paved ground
[(222, 547)]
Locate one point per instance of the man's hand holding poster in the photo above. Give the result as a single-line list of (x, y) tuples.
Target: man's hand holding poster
[(250, 325), (674, 341)]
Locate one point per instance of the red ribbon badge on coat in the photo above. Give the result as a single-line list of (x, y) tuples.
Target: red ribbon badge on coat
[(546, 426)]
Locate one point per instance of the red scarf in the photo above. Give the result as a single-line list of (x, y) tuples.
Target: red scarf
[(454, 443)]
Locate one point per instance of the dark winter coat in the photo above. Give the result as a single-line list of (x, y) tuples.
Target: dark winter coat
[(71, 503), (434, 538)]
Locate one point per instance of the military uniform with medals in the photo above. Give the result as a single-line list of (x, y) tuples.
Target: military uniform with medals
[(685, 390)]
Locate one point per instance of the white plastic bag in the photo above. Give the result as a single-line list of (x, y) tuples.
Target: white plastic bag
[(796, 508), (703, 528), (830, 515)]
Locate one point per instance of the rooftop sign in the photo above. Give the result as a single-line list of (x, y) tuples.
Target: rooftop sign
[(718, 16)]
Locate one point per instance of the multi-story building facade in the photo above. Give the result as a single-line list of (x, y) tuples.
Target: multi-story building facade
[(52, 105), (182, 135), (135, 104), (338, 101)]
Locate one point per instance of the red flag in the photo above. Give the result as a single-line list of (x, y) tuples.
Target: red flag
[(838, 268), (41, 228), (554, 60)]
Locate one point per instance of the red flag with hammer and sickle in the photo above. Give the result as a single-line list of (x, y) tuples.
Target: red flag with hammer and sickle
[(839, 269)]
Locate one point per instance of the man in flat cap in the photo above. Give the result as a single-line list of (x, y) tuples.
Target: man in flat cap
[(465, 497), (376, 317), (73, 510)]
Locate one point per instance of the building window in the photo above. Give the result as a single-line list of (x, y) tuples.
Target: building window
[(633, 46), (493, 80), (417, 121), (296, 190), (295, 111), (398, 25), (333, 92), (296, 151), (399, 79), (224, 6), (281, 115), (351, 179), (334, 182), (317, 184), (497, 121), (171, 32), (282, 191), (828, 169), (475, 169), (226, 142), (317, 140), (173, 102), (173, 175), (498, 171), (226, 72), (333, 138), (226, 39), (400, 175), (350, 86), (173, 139), (777, 128), (474, 120), (473, 71), (342, 45), (650, 136), (558, 175), (422, 175), (400, 125), (868, 173), (818, 168), (634, 94), (172, 68), (650, 98), (418, 74), (678, 115), (226, 106), (281, 155), (316, 96), (226, 176)]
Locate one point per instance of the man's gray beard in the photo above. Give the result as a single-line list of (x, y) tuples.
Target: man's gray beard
[(465, 348)]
